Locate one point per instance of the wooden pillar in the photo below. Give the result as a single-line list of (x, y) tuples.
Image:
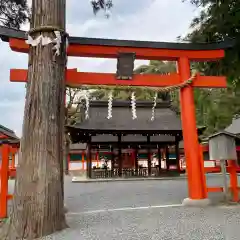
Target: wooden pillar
[(4, 180), (204, 181), (136, 158), (149, 156), (13, 160), (119, 155), (68, 161), (13, 157), (167, 157), (159, 158), (177, 154), (89, 159), (190, 137), (132, 158), (126, 159), (83, 160), (232, 166), (97, 157), (112, 159)]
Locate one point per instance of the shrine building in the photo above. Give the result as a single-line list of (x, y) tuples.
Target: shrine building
[(127, 146)]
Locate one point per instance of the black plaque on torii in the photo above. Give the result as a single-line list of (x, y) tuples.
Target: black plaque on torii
[(125, 65)]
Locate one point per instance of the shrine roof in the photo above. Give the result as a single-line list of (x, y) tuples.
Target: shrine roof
[(78, 146), (133, 138), (234, 127), (8, 133), (166, 119), (9, 141)]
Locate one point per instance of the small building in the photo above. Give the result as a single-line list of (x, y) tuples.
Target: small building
[(126, 143), (234, 129), (77, 157), (222, 146), (8, 135)]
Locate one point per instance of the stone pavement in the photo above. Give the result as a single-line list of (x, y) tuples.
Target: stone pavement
[(140, 210), (84, 179), (176, 223)]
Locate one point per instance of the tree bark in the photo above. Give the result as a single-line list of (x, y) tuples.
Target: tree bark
[(38, 204)]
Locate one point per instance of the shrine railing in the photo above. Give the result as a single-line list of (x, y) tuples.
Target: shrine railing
[(127, 172), (130, 172)]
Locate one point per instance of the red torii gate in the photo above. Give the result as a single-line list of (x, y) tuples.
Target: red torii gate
[(6, 171), (182, 53)]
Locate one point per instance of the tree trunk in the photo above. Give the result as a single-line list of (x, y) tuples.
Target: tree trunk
[(38, 203)]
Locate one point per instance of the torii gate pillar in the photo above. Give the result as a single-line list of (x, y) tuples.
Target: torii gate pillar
[(197, 193)]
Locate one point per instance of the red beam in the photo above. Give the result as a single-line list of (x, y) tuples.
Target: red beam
[(212, 169), (76, 50), (219, 189), (76, 79), (9, 197), (215, 189)]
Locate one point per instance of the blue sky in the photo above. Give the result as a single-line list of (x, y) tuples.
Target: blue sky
[(152, 20)]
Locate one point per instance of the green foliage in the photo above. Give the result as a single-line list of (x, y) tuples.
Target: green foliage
[(98, 5), (215, 108), (13, 13), (156, 67), (219, 21)]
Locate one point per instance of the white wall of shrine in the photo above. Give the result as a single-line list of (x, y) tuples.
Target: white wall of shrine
[(79, 165)]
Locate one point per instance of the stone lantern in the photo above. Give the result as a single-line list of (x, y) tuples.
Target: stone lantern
[(222, 146)]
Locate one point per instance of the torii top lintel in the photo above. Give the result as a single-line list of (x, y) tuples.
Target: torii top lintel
[(109, 48)]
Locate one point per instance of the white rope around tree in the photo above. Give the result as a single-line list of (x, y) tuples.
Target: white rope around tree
[(45, 40), (59, 33)]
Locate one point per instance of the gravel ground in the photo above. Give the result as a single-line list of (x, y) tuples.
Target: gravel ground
[(84, 200), (167, 223)]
